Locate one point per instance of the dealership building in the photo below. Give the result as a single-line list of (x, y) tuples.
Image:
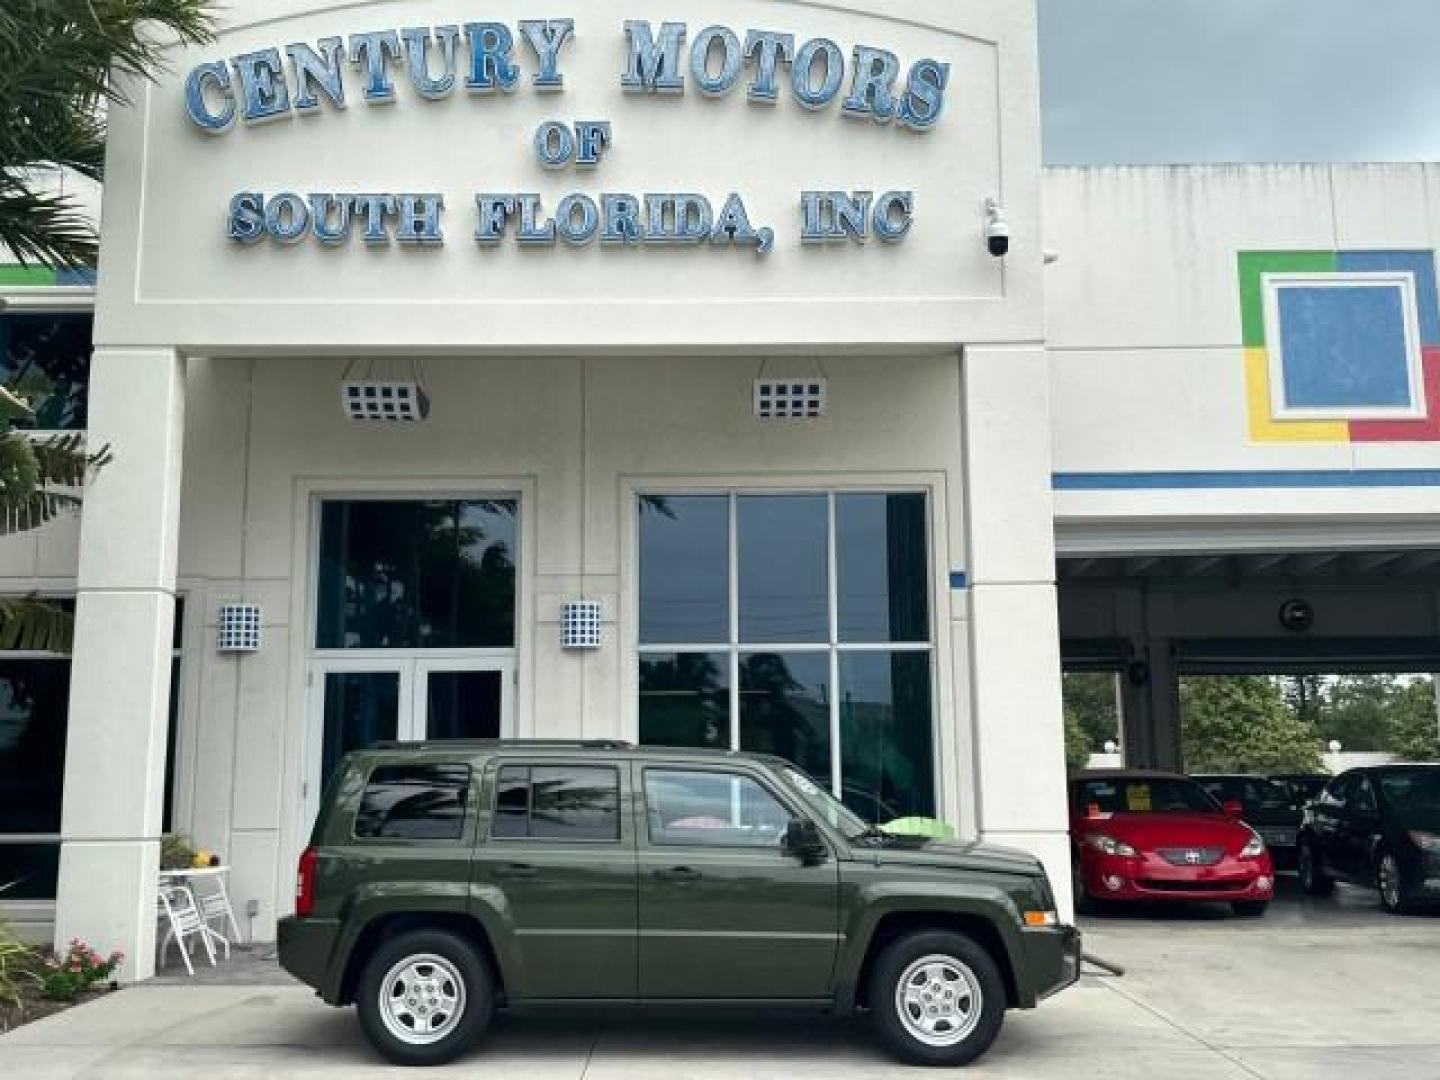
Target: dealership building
[(731, 376)]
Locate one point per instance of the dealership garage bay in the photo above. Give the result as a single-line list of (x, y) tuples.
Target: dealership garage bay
[(1238, 659)]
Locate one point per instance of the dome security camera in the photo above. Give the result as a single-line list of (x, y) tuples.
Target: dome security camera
[(1296, 616), (997, 229)]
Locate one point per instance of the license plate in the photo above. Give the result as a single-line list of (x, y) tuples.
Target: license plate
[(1278, 837)]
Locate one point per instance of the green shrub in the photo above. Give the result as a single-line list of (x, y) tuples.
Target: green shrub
[(16, 961)]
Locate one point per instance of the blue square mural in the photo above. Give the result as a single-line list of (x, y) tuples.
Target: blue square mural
[(1344, 347)]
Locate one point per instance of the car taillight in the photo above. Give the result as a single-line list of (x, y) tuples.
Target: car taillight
[(305, 882)]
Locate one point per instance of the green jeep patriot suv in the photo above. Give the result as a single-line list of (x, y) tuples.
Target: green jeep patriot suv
[(444, 880)]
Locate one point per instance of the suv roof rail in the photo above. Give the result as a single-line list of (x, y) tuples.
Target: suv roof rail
[(538, 744)]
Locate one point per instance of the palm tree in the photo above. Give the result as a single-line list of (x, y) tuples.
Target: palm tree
[(58, 59)]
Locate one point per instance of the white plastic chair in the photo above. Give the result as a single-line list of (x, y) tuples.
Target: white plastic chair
[(185, 922), (214, 900)]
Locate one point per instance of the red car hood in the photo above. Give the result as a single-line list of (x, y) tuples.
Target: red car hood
[(1147, 832)]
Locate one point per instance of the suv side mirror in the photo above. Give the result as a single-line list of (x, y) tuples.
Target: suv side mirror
[(803, 841)]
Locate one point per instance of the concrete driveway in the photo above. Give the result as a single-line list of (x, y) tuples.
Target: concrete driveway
[(1346, 993)]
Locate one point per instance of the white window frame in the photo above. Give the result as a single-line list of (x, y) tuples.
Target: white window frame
[(734, 648), (412, 665), (1274, 284)]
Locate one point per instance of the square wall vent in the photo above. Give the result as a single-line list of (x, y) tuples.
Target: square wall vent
[(402, 402), (791, 399), (580, 625), (239, 628)]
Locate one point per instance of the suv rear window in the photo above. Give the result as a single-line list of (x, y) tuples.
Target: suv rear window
[(414, 802), (557, 802)]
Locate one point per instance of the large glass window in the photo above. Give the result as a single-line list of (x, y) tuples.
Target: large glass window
[(45, 358), (417, 575), (797, 625), (34, 714)]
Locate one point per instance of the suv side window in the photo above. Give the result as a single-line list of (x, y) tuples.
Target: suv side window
[(557, 802), (414, 802), (712, 809)]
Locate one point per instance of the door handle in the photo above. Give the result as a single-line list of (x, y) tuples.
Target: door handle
[(678, 873), (517, 870)]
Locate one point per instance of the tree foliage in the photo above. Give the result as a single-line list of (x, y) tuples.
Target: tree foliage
[(57, 64), (1077, 742), (1243, 724), (1091, 711), (1412, 725)]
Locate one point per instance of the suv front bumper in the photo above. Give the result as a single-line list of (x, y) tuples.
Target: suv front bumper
[(1052, 962)]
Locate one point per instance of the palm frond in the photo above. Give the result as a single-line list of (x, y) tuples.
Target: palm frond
[(48, 229), (63, 460), (31, 624), (61, 61), (40, 479)]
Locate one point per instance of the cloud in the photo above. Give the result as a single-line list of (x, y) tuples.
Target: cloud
[(1163, 81)]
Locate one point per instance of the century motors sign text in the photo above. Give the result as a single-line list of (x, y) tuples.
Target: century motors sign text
[(768, 66)]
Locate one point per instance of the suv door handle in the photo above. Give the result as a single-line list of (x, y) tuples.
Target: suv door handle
[(517, 870), (678, 873)]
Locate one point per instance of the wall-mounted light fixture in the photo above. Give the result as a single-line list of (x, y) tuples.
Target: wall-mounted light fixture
[(238, 629), (791, 399), (580, 625), (371, 398)]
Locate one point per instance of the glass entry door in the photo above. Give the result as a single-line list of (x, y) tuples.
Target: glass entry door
[(355, 702)]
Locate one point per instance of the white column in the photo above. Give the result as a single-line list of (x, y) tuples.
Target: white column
[(1019, 734), (120, 681)]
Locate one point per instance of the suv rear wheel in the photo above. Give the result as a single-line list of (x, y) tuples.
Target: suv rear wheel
[(937, 998), (424, 998)]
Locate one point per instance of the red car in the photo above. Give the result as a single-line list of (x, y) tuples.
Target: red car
[(1157, 836)]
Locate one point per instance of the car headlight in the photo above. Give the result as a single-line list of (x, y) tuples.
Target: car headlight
[(1428, 842), (1254, 847), (1110, 846)]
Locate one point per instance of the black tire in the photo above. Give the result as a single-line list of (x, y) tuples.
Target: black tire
[(1085, 904), (1311, 867), (1396, 900), (963, 956), (1250, 909), (476, 992)]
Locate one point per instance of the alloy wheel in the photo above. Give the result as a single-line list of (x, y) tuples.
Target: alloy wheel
[(422, 999), (939, 1000)]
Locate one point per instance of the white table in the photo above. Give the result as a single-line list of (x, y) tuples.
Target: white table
[(212, 898)]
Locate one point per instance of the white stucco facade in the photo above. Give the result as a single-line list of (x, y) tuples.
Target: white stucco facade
[(1115, 399), (572, 380)]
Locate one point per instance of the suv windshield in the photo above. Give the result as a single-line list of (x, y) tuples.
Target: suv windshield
[(824, 805), (1145, 795), (1413, 796)]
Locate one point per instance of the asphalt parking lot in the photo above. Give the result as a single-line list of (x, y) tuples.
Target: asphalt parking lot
[(1316, 989)]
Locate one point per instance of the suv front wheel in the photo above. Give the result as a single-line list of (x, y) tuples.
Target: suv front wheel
[(424, 998), (937, 998)]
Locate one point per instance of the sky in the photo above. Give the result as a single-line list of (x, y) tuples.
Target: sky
[(1174, 81)]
